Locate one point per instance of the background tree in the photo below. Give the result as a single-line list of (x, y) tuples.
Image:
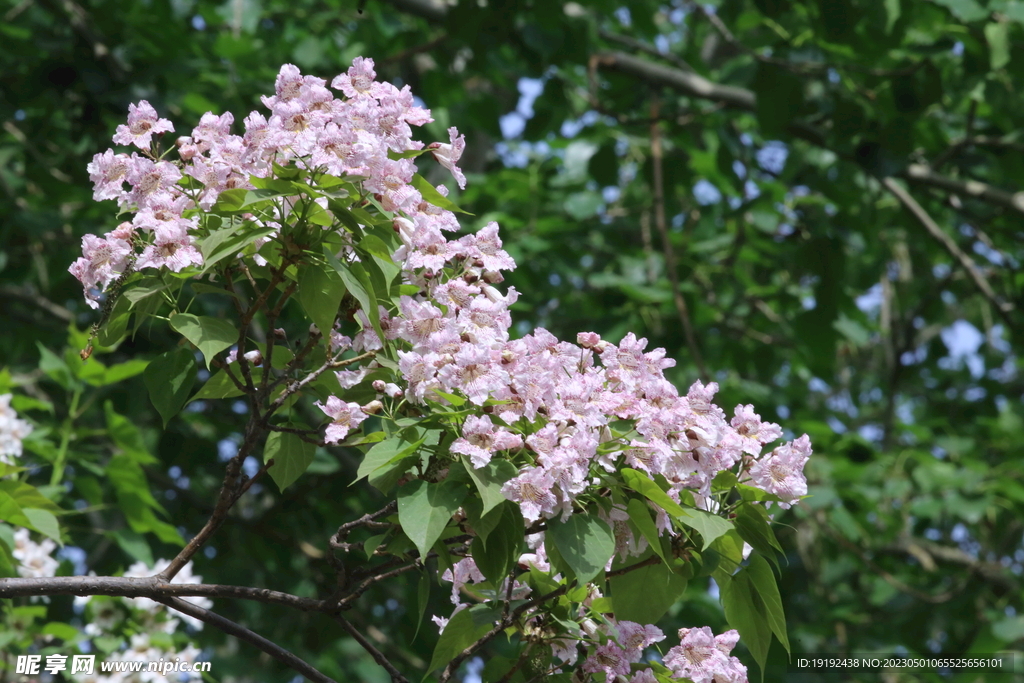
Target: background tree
[(817, 205)]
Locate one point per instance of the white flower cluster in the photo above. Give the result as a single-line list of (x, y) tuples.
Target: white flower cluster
[(12, 431), (105, 615), (33, 558)]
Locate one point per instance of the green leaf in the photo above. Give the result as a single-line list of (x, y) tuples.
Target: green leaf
[(640, 515), (464, 629), (754, 527), (390, 450), (997, 33), (123, 371), (169, 379), (709, 526), (892, 14), (408, 154), (358, 283), (431, 195), (116, 326), (210, 335), (126, 436), (134, 545), (585, 542), (780, 95), (964, 10), (582, 205), (135, 500), (497, 556), (228, 242), (764, 582), (320, 293), (644, 595), (424, 510), (44, 522), (489, 479), (54, 367), (291, 457), (753, 607), (422, 599), (220, 386)]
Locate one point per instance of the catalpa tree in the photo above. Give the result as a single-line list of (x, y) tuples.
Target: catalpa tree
[(567, 492)]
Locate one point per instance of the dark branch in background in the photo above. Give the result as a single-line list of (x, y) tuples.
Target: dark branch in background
[(924, 175), (396, 675), (685, 82), (644, 47), (896, 583), (431, 10), (928, 552), (670, 257), (30, 296), (983, 286), (797, 67), (242, 633)]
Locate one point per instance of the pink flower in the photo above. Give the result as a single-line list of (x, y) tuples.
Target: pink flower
[(532, 490), (449, 154), (108, 172), (609, 659), (754, 432), (635, 638), (704, 658), (345, 416), (143, 123), (781, 471), (480, 439), (102, 262), (173, 249), (152, 182), (359, 81), (485, 247)]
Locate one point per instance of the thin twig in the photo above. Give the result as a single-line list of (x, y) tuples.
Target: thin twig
[(149, 587), (644, 47), (242, 633), (396, 675), (504, 623), (670, 257), (907, 200)]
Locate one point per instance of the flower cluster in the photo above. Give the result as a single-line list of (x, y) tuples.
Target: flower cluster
[(149, 624), (555, 409), (34, 559), (307, 124), (12, 431)]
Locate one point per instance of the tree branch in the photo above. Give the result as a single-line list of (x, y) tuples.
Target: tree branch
[(666, 241), (937, 233), (150, 587), (921, 174), (504, 623), (242, 633), (396, 675)]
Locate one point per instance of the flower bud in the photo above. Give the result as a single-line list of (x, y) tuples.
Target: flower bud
[(589, 627), (393, 390), (373, 407), (254, 357), (378, 386), (280, 333), (588, 340), (493, 277)]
